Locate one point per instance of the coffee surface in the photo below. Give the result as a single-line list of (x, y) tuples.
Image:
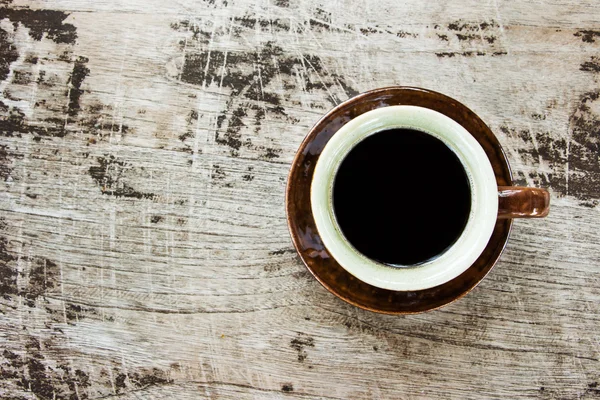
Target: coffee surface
[(401, 197)]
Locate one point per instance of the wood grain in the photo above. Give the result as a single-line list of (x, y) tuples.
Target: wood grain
[(144, 150)]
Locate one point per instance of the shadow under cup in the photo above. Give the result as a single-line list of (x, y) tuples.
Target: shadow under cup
[(308, 241)]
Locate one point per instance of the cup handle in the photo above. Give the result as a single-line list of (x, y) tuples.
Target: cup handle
[(522, 202)]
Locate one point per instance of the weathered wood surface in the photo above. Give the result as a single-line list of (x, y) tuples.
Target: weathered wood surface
[(144, 149)]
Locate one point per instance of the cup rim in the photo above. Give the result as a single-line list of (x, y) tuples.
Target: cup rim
[(484, 198), (308, 243)]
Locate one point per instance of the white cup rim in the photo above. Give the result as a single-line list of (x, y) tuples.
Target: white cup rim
[(484, 199)]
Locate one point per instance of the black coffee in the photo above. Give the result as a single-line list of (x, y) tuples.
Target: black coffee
[(401, 197)]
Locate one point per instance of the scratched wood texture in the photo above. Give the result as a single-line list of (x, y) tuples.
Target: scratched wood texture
[(144, 148)]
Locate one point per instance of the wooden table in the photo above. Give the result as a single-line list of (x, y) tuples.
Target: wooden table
[(144, 150)]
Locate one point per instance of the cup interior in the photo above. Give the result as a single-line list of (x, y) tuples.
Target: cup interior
[(386, 197)]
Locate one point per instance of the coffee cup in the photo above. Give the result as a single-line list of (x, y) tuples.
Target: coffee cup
[(403, 191)]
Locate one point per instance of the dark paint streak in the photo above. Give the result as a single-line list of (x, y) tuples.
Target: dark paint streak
[(93, 118), (463, 54), (281, 252), (588, 36), (271, 153), (192, 116), (42, 22), (146, 378), (368, 30), (589, 203), (186, 135), (232, 136), (55, 128), (287, 387), (22, 77), (377, 30), (80, 72), (43, 276), (5, 163), (300, 343), (8, 54), (139, 380), (31, 59), (404, 34), (462, 37), (316, 25), (592, 389), (120, 382), (248, 76), (321, 21), (591, 66), (264, 25), (109, 175), (584, 148), (272, 267), (191, 120), (13, 121), (249, 177), (216, 3), (471, 31), (238, 72), (538, 117), (33, 373), (350, 91), (217, 173), (8, 272), (461, 25), (75, 312), (46, 379), (580, 153)]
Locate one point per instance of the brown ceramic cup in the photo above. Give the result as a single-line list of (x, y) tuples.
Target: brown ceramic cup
[(374, 286)]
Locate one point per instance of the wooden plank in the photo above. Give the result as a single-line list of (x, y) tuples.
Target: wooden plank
[(144, 152)]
